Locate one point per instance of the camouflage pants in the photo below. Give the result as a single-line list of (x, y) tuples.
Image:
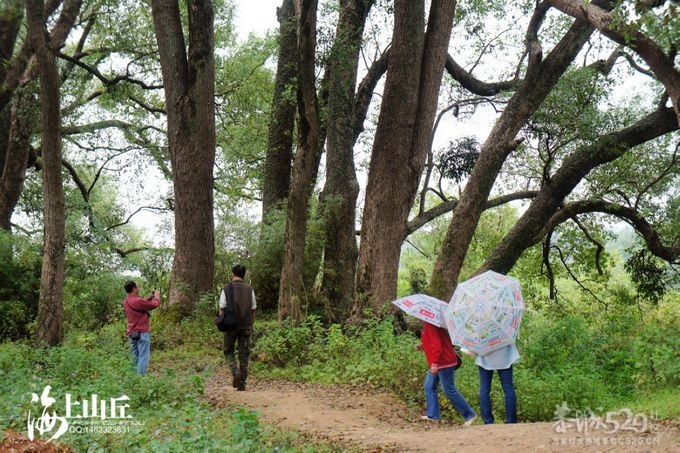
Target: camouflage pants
[(238, 341)]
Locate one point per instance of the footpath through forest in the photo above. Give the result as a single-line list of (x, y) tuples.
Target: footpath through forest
[(367, 421)]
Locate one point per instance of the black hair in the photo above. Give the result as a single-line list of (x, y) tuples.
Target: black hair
[(239, 270), (129, 286)]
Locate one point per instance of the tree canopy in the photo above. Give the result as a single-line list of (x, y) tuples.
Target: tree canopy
[(354, 127)]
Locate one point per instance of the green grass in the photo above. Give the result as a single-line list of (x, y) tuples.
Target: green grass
[(665, 404), (611, 363), (167, 405)]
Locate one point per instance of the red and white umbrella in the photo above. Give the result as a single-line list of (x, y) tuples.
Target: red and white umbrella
[(423, 307)]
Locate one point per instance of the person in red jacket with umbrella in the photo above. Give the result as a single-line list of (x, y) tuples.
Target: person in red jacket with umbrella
[(441, 359)]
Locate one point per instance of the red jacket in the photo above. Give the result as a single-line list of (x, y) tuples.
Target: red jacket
[(136, 310), (437, 346)]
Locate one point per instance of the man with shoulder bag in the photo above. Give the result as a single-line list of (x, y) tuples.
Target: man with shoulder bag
[(137, 313), (237, 299)]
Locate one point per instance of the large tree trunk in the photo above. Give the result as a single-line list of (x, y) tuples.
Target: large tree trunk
[(541, 77), (14, 132), (292, 292), (18, 70), (529, 228), (49, 328), (189, 96), (339, 196), (15, 124), (401, 142), (16, 159), (279, 156)]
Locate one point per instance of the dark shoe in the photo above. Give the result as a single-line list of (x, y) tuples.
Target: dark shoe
[(241, 386), (235, 380)]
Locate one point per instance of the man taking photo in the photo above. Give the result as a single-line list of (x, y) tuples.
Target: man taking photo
[(137, 313)]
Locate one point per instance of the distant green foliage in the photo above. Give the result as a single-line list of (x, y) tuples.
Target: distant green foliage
[(457, 160), (370, 354)]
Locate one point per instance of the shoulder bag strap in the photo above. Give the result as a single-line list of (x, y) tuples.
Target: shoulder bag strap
[(229, 293)]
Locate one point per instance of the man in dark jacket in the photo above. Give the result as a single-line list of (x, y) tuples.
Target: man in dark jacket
[(242, 296), (137, 313)]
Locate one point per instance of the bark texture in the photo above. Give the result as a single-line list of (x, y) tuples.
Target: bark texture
[(402, 139), (277, 166), (339, 196), (188, 80), (15, 159), (14, 106), (49, 329), (292, 291)]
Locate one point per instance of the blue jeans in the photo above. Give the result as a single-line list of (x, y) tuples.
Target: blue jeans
[(485, 377), (445, 375), (140, 352)]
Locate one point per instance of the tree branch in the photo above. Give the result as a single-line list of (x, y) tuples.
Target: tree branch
[(96, 126), (629, 35), (667, 170), (20, 71), (474, 85), (137, 211), (365, 92), (105, 80), (548, 267), (123, 253), (448, 206), (630, 215), (591, 238), (573, 276)]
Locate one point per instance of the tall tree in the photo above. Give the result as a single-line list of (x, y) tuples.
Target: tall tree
[(402, 140), (291, 288), (339, 196), (279, 155), (188, 79), (18, 153), (51, 305)]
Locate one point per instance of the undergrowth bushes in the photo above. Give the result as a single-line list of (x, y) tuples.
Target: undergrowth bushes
[(589, 363)]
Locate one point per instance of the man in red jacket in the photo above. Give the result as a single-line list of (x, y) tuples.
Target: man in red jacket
[(441, 358), (137, 312)]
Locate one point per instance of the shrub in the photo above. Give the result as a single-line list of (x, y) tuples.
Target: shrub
[(656, 350)]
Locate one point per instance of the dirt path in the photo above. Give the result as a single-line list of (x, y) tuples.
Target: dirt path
[(375, 422)]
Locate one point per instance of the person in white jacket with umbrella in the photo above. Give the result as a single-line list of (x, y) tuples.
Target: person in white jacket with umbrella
[(500, 360)]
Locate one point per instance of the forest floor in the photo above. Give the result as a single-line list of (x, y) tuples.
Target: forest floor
[(358, 419)]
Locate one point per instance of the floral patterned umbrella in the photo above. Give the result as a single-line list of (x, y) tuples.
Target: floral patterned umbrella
[(485, 312), (423, 307)]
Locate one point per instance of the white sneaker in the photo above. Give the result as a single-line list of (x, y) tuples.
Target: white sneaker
[(470, 421), (425, 417)]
